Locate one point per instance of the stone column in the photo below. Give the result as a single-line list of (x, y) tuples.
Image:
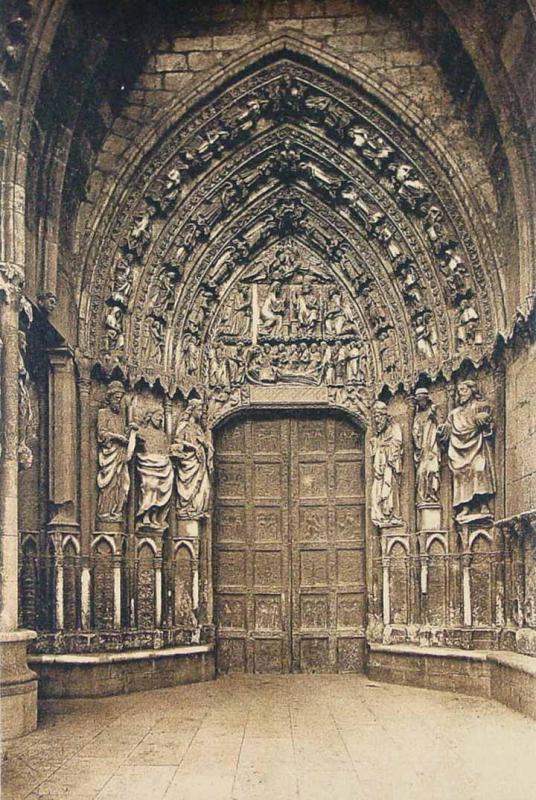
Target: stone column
[(62, 462), (466, 588), (386, 593), (18, 685), (83, 378), (117, 590), (168, 546), (58, 572), (158, 591), (62, 430)]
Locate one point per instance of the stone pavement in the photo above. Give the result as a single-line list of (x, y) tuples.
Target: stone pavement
[(297, 736)]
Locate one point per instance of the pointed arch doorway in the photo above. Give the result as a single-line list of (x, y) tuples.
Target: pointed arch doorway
[(289, 543)]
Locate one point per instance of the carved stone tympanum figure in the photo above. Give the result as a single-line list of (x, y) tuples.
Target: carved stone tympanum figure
[(426, 448), (193, 451), (117, 440), (273, 310), (155, 471), (386, 451), (468, 430)]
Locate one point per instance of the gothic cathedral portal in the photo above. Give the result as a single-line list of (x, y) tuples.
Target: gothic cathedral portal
[(289, 544)]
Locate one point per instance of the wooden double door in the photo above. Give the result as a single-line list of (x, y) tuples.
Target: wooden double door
[(289, 544)]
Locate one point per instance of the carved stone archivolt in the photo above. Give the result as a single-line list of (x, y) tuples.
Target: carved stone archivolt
[(289, 159)]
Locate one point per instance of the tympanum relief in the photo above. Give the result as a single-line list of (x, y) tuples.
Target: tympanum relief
[(287, 320)]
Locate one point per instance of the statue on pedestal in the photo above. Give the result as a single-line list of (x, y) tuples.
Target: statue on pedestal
[(468, 430), (155, 471), (193, 451), (117, 440), (386, 451), (426, 450)]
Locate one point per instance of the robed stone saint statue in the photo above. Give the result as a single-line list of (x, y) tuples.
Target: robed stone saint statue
[(468, 431), (155, 471), (426, 451), (117, 440), (193, 452), (386, 451)]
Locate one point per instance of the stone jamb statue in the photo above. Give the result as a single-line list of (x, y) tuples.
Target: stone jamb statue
[(386, 450), (117, 441), (468, 431), (426, 450), (193, 453), (155, 471)]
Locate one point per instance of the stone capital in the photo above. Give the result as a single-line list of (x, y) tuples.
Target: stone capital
[(60, 357), (84, 364)]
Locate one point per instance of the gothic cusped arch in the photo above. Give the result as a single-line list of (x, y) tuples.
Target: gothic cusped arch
[(289, 153)]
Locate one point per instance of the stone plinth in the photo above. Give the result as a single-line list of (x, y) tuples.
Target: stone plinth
[(106, 674), (526, 641), (509, 678), (18, 685)]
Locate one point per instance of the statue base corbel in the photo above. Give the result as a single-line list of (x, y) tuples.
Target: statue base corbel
[(189, 527), (389, 531), (478, 514), (152, 532), (428, 517)]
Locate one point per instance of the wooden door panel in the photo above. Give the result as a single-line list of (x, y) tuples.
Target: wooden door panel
[(267, 524), (251, 546), (289, 545), (327, 542)]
